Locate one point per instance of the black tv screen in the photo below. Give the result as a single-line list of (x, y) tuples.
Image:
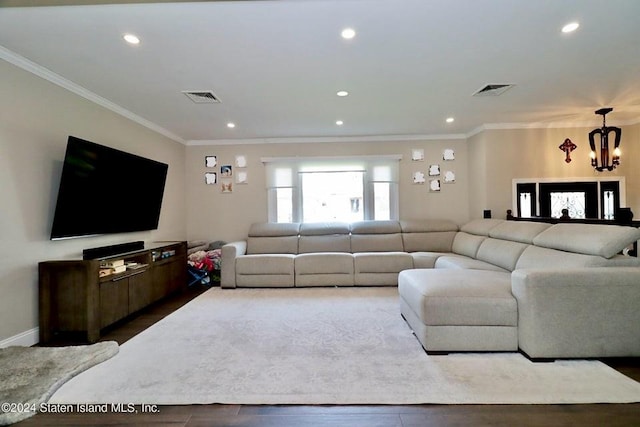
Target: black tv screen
[(104, 190)]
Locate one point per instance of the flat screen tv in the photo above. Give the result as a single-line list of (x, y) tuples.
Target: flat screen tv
[(104, 190)]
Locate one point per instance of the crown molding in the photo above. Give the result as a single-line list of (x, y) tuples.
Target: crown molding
[(321, 139), (44, 73)]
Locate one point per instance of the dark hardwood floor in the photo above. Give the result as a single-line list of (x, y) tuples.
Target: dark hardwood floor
[(609, 415)]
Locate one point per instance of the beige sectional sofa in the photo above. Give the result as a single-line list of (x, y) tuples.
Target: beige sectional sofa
[(552, 291), (366, 253)]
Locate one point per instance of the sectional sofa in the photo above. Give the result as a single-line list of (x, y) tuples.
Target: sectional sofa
[(552, 291)]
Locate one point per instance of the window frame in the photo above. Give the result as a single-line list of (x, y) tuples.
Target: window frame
[(602, 183), (295, 165)]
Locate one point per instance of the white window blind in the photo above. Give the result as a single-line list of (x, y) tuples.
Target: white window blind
[(336, 200)]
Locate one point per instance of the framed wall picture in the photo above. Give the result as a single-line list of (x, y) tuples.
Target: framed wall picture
[(449, 177), (226, 171), (211, 161), (419, 178), (434, 185), (241, 177), (241, 161), (434, 170), (211, 178), (226, 186), (448, 154), (417, 155)]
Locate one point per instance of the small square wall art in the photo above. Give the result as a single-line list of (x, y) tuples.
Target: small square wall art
[(211, 178), (211, 161)]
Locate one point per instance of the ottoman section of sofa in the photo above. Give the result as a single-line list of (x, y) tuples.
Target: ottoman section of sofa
[(460, 310), (265, 270), (324, 269)]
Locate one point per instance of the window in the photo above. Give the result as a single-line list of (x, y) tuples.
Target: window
[(573, 202), (580, 198), (332, 196), (342, 189), (609, 199), (587, 198), (527, 200)]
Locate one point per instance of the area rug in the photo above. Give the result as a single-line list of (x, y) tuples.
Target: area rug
[(322, 346), (30, 375)]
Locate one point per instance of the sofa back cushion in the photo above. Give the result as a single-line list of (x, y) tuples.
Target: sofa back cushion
[(324, 237), (376, 236), (428, 235), (590, 239), (518, 231), (538, 257), (273, 238), (503, 253), (467, 244), (481, 227)]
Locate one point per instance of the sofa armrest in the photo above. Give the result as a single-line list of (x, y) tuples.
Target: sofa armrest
[(230, 252), (578, 312)]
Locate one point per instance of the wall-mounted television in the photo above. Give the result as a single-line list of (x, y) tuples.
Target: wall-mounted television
[(104, 190)]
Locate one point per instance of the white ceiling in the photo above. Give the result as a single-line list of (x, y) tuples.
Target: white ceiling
[(277, 65)]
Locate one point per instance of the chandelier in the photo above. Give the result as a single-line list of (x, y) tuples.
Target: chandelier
[(604, 158)]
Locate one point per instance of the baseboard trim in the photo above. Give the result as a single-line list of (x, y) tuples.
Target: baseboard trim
[(24, 339)]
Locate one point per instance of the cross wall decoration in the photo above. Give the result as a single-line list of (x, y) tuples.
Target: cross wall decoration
[(567, 146)]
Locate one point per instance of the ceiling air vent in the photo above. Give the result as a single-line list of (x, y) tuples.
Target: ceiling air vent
[(493, 90), (202, 96)]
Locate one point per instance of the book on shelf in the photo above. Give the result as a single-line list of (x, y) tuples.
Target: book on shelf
[(135, 266), (119, 269), (113, 263)]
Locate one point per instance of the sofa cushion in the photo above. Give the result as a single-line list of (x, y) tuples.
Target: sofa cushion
[(426, 259), (325, 262), (324, 269), (376, 236), (428, 235), (461, 262), (324, 237), (591, 239), (455, 297), (466, 244), (537, 257), (503, 253), (380, 269), (518, 231), (273, 238), (481, 227), (265, 264), (274, 229), (375, 227), (265, 270)]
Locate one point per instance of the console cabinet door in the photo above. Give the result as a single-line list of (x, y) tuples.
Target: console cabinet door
[(139, 291), (114, 301)]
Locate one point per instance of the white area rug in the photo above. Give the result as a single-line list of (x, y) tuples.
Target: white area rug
[(321, 346)]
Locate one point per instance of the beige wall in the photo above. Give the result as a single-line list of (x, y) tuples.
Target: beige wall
[(36, 117), (218, 216), (486, 165), (499, 156)]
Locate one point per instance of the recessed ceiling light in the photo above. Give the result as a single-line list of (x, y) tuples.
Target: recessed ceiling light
[(131, 38), (571, 27), (342, 93), (348, 33), (450, 119), (339, 122), (231, 125)]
